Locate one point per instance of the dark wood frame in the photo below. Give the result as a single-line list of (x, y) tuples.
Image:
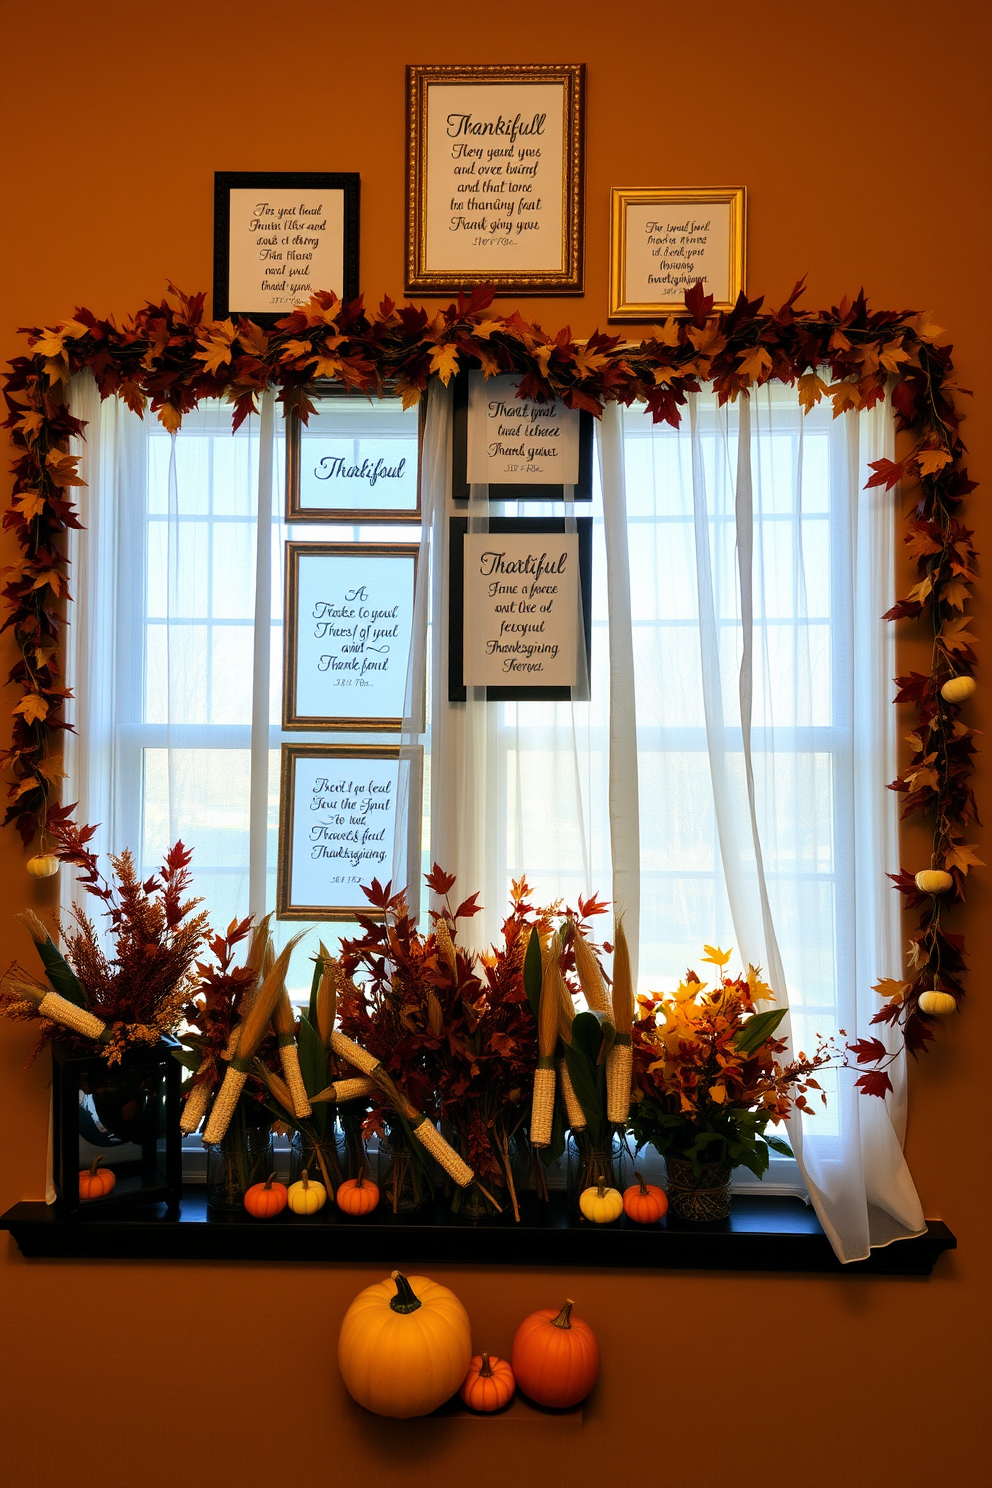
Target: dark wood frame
[(331, 391), (568, 279), (457, 528), (505, 491), (291, 720), (412, 755), (225, 181)]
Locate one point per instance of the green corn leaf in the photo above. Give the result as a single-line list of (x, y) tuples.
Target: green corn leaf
[(313, 1067), (318, 972), (757, 1029), (532, 972), (60, 975)]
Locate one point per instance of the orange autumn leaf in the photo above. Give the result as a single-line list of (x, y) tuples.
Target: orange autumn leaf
[(890, 989), (707, 339), (844, 395), (962, 857), (756, 363), (30, 505), (444, 361), (485, 328), (32, 708), (955, 636), (955, 593), (51, 578), (929, 461), (170, 418), (61, 468), (811, 390)]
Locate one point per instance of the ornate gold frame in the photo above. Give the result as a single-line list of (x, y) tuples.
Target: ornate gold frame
[(566, 280), (735, 197), (285, 908), (291, 720)]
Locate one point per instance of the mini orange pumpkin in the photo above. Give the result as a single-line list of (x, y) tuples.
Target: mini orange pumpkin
[(95, 1182), (357, 1195), (266, 1200), (555, 1357), (644, 1203), (489, 1384)]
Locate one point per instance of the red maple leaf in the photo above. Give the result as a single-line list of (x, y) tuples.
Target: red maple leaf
[(874, 1082), (868, 1051)]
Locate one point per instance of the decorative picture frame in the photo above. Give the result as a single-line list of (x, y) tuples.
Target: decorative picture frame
[(683, 235), (520, 487), (350, 827), (253, 211), (362, 632), (519, 212), (375, 469), (537, 527)]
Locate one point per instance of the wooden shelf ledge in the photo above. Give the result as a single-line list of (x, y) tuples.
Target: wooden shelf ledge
[(762, 1234)]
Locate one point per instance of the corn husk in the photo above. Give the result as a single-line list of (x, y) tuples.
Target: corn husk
[(620, 1061), (285, 1026), (346, 1048), (275, 1085), (442, 935), (327, 995), (573, 1106), (195, 1108), (446, 1157), (591, 975), (542, 1109)]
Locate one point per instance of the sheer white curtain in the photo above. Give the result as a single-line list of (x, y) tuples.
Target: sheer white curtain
[(760, 569)]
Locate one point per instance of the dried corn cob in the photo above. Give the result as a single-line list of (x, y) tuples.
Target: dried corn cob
[(253, 1030), (327, 995), (573, 1106), (442, 935), (285, 1026), (51, 1005), (542, 1108), (446, 1157), (620, 1060), (346, 1048), (223, 1107), (344, 1090), (591, 975), (195, 1108)]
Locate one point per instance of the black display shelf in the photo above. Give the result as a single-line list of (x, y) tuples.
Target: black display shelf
[(762, 1234)]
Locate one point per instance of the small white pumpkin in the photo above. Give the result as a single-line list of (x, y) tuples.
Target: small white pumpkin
[(958, 689), (934, 881), (43, 865), (937, 1004)]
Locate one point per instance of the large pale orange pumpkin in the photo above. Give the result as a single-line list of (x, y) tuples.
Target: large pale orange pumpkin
[(405, 1346), (555, 1357)]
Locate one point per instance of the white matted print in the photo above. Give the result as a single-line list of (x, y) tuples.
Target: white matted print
[(338, 823), (349, 620), (518, 441), (664, 242), (356, 460)]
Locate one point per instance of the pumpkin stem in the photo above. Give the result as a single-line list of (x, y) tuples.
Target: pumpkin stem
[(601, 1189), (485, 1368), (93, 1165), (269, 1181), (644, 1187), (562, 1320), (405, 1300), (304, 1179), (360, 1180)]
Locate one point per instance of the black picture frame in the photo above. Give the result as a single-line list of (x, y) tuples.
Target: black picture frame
[(582, 491), (457, 528), (348, 182)]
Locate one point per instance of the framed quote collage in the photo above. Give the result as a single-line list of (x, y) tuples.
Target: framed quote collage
[(495, 195)]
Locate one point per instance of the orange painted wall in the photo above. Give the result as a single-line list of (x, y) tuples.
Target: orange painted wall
[(862, 135)]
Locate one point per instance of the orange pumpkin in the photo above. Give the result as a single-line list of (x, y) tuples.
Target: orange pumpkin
[(555, 1357), (489, 1384), (357, 1195), (644, 1203), (95, 1182), (266, 1200)]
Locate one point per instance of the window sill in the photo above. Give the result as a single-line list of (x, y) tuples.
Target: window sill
[(762, 1234)]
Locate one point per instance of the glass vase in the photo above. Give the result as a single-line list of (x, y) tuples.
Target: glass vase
[(402, 1174), (243, 1156), (354, 1157), (321, 1157), (589, 1164), (701, 1196)]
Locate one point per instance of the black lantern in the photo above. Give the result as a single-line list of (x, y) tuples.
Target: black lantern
[(121, 1120)]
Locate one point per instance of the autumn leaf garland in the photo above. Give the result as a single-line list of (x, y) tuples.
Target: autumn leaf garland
[(168, 356)]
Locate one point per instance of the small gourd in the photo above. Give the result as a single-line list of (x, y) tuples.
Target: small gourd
[(937, 1004), (43, 865), (555, 1357), (405, 1346), (600, 1204), (357, 1195), (306, 1197), (96, 1182), (958, 689), (266, 1200), (934, 881), (489, 1383), (645, 1203)]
